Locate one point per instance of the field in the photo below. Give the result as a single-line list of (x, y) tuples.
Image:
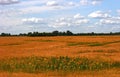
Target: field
[(63, 56)]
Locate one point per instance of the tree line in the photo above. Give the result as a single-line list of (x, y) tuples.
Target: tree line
[(58, 33)]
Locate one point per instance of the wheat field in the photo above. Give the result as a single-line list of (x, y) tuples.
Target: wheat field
[(105, 48)]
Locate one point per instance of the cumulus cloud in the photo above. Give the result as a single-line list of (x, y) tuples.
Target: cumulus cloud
[(110, 21), (33, 21), (112, 24), (10, 12), (99, 14), (59, 24), (52, 3), (61, 19), (71, 3), (7, 2), (75, 20), (81, 22), (90, 2), (35, 9), (84, 2), (78, 16), (43, 6), (95, 2), (48, 5)]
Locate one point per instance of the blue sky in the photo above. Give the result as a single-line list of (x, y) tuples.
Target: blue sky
[(22, 16)]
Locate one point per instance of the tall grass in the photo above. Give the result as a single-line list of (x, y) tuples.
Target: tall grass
[(91, 43), (42, 64)]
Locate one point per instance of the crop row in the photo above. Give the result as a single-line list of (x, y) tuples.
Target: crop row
[(42, 64)]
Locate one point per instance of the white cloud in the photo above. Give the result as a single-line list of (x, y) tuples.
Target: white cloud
[(33, 21), (84, 2), (90, 2), (7, 2), (95, 2), (35, 9), (116, 28), (59, 24), (39, 9), (99, 14), (109, 21), (47, 5), (30, 3), (44, 6), (71, 4), (9, 21), (81, 22), (52, 3), (75, 20), (118, 11), (11, 12), (60, 19), (78, 16)]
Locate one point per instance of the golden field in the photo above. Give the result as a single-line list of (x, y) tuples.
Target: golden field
[(61, 46), (92, 47)]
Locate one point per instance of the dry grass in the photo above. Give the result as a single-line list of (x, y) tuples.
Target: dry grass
[(104, 73), (92, 47), (58, 46)]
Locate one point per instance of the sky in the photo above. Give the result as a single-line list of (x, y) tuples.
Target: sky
[(78, 16)]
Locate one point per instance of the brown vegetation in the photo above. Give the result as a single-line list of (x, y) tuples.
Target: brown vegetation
[(98, 47), (107, 47), (105, 73)]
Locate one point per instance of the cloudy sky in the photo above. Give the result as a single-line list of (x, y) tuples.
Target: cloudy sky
[(21, 16)]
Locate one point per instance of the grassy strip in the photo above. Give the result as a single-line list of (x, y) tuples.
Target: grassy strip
[(42, 64), (92, 43), (12, 44), (41, 40), (76, 44), (102, 44)]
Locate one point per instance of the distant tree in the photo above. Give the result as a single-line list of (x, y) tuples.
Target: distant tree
[(69, 32), (92, 33), (111, 33), (22, 34), (29, 34), (5, 34), (55, 32)]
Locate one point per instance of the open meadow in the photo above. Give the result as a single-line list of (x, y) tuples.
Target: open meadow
[(63, 56)]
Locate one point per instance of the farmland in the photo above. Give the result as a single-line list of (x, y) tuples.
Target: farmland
[(78, 55)]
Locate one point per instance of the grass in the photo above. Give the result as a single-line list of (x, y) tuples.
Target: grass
[(100, 51), (41, 40), (11, 44), (78, 43), (47, 40), (91, 43), (102, 44), (43, 64)]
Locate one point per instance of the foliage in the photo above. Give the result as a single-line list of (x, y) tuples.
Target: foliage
[(57, 33), (42, 64)]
